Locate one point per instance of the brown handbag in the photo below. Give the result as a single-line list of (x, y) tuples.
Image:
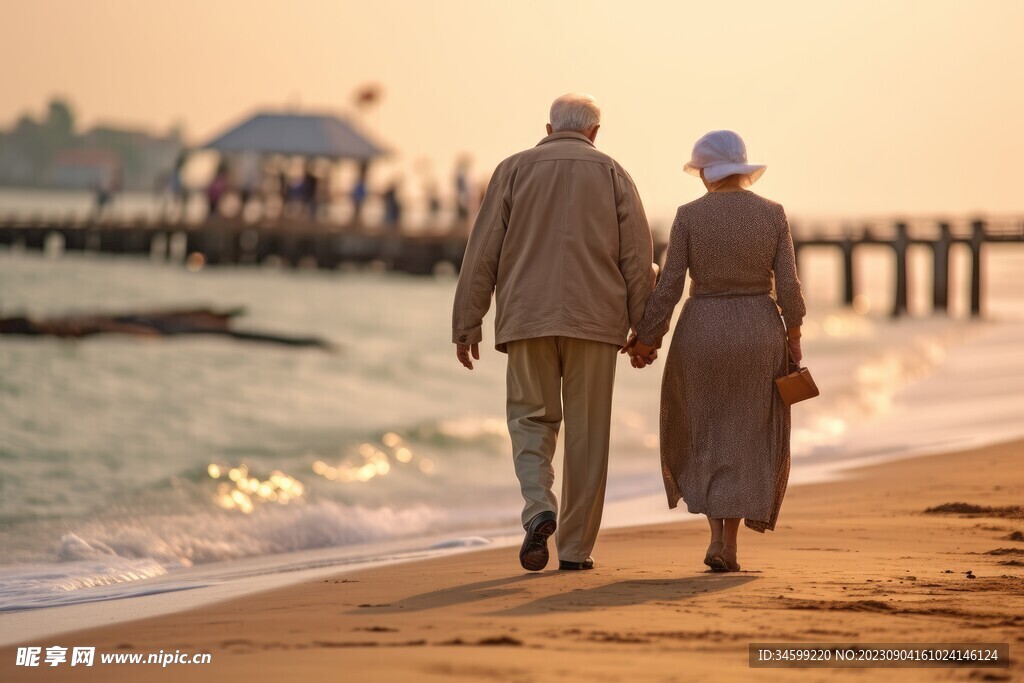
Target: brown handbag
[(798, 385)]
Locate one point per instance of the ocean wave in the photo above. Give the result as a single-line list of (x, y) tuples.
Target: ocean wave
[(183, 540), (122, 558), (464, 542), (83, 567), (488, 434)]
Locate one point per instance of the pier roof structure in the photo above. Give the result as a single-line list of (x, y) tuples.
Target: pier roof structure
[(308, 135)]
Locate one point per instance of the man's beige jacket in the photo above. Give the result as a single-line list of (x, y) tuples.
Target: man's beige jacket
[(563, 238)]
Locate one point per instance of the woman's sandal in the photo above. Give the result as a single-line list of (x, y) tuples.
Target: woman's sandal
[(710, 555), (720, 564)]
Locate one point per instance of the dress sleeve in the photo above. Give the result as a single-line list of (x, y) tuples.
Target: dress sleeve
[(787, 283), (662, 302)]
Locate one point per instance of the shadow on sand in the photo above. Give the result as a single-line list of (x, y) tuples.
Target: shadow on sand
[(561, 599), (625, 593)]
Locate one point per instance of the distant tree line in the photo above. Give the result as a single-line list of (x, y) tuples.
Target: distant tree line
[(34, 152)]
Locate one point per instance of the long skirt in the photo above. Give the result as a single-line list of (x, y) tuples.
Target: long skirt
[(724, 427)]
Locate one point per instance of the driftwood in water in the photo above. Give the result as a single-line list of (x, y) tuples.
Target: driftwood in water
[(149, 324)]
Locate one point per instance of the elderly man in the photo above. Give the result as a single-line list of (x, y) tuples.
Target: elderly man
[(563, 237)]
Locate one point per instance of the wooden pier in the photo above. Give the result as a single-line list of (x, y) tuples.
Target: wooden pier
[(939, 236), (298, 244), (306, 244)]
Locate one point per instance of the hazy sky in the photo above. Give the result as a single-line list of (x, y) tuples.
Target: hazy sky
[(858, 108)]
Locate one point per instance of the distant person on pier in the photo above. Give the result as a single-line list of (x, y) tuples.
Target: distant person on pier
[(462, 193), (251, 173), (433, 202), (392, 208), (179, 193), (570, 254), (283, 189), (106, 188), (359, 192), (217, 188), (309, 191), (102, 196)]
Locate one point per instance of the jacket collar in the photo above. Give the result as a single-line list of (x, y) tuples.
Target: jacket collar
[(566, 135)]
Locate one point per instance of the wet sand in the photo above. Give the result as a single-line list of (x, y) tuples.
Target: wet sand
[(856, 561)]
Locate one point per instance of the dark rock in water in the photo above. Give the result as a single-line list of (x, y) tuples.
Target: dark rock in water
[(18, 326), (165, 323)]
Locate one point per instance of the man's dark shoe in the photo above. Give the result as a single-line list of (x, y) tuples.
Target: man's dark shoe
[(534, 553), (576, 566)]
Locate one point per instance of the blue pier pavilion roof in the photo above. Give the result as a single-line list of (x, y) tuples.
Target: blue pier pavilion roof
[(297, 135)]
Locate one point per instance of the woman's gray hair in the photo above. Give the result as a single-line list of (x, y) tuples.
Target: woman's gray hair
[(575, 112)]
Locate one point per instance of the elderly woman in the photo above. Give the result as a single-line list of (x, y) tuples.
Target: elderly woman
[(724, 427)]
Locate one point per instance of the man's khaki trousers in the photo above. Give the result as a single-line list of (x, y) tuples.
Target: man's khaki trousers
[(549, 377)]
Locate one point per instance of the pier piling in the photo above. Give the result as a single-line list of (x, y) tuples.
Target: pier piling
[(940, 280), (848, 277), (977, 241), (900, 249)]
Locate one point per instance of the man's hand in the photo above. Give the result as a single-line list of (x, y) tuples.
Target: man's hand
[(628, 348), (462, 352)]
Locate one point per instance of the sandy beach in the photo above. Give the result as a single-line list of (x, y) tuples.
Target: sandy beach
[(852, 561)]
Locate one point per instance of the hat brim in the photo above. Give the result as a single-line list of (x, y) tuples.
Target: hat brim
[(751, 172)]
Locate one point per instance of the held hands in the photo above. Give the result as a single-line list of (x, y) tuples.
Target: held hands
[(640, 355), (462, 352)]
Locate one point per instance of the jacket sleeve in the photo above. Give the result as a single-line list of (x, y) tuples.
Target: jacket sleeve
[(787, 283), (636, 248), (479, 271), (666, 295)]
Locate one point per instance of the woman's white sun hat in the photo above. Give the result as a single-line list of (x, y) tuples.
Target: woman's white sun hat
[(722, 153)]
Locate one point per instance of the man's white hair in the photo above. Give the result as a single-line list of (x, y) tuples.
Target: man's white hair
[(576, 112)]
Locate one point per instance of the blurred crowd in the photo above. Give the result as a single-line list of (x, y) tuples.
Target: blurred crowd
[(250, 188)]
